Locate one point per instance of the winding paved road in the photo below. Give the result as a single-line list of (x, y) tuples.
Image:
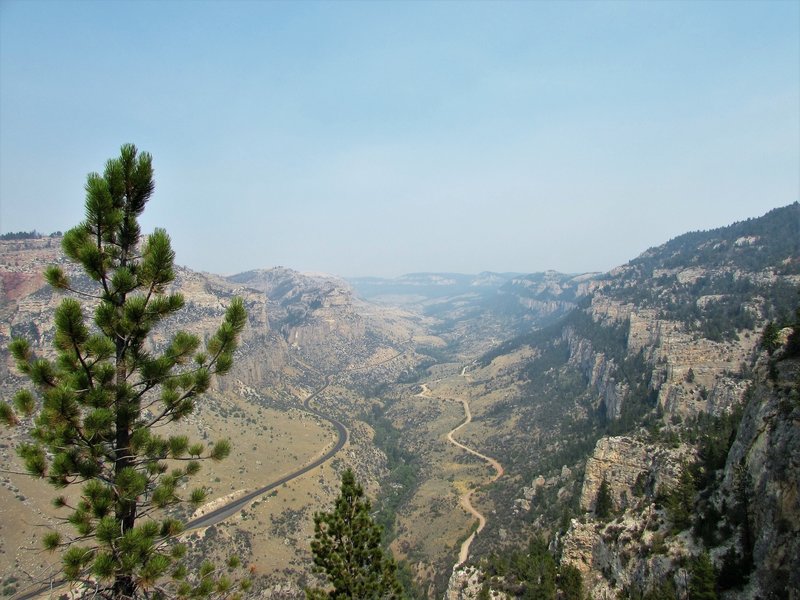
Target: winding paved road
[(223, 512), (234, 506)]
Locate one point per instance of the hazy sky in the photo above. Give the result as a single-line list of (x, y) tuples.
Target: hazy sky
[(383, 138)]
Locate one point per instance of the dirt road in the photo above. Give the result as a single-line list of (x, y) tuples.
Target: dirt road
[(465, 499)]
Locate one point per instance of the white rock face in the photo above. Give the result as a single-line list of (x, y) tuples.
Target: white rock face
[(630, 467), (690, 373), (466, 584), (619, 554)]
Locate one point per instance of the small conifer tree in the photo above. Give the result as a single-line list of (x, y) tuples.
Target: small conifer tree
[(770, 337), (793, 342), (604, 503), (570, 582), (702, 581), (96, 407), (680, 501), (347, 548)]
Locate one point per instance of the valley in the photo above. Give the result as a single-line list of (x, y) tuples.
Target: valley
[(464, 500), (481, 412)]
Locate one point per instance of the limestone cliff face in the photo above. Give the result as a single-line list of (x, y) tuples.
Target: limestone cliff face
[(600, 371), (632, 469), (629, 551), (763, 469), (693, 374), (689, 373)]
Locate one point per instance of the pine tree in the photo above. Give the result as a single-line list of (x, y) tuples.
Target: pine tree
[(604, 504), (347, 548), (570, 582), (94, 409), (536, 570), (680, 501), (770, 337), (702, 581)]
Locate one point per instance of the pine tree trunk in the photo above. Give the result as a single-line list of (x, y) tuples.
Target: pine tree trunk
[(124, 586)]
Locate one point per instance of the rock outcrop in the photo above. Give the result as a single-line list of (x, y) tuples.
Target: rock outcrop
[(762, 472), (628, 553), (600, 371), (632, 469), (467, 583)]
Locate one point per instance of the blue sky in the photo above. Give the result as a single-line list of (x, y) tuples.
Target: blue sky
[(380, 138)]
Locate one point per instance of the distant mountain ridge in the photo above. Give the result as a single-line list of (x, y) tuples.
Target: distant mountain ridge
[(767, 242), (428, 285)]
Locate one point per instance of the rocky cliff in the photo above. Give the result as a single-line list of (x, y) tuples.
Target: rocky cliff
[(761, 473)]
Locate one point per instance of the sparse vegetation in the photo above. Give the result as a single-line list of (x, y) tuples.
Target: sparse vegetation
[(26, 235), (403, 472)]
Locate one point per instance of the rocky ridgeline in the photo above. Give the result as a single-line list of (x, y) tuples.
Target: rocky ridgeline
[(299, 326), (322, 322), (691, 314), (311, 317), (28, 303), (25, 299)]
